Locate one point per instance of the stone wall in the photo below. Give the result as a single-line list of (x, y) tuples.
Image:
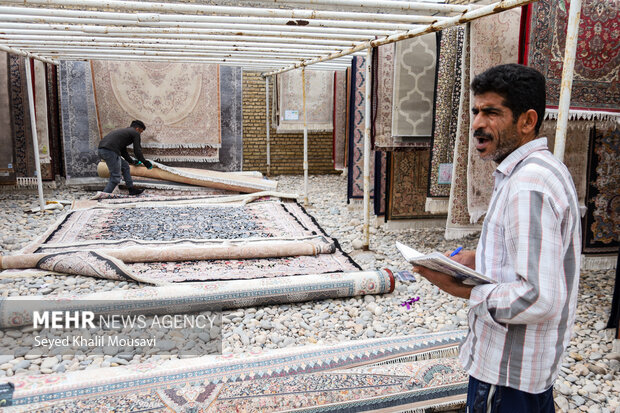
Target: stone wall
[(287, 150)]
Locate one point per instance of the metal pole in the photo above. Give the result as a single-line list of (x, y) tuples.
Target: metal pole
[(204, 9), (267, 125), (303, 83), (33, 124), (368, 81), (26, 54), (572, 33)]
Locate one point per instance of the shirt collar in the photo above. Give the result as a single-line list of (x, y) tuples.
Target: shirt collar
[(508, 165)]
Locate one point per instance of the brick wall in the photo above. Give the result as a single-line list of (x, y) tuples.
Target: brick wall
[(287, 150)]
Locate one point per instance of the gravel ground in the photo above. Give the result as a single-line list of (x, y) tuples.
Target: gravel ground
[(589, 378)]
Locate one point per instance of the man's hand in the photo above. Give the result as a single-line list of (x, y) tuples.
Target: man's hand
[(136, 162), (465, 257), (445, 282), (148, 164)]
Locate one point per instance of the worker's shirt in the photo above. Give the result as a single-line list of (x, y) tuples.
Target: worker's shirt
[(530, 245), (118, 140)]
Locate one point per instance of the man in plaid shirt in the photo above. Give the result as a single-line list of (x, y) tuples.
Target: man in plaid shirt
[(530, 245)]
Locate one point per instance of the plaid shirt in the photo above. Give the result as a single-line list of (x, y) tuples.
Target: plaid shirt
[(530, 244)]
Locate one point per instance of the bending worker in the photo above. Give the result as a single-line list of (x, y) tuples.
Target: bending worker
[(113, 146)]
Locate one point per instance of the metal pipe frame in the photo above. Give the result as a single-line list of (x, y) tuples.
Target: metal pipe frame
[(444, 24), (235, 27), (33, 125), (367, 122), (570, 51), (27, 54), (181, 38), (402, 6), (267, 131), (204, 9), (317, 33), (386, 20), (69, 41), (303, 89)]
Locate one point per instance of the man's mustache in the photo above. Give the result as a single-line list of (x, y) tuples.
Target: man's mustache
[(478, 133)]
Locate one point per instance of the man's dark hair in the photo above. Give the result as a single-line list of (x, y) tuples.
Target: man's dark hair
[(137, 124), (522, 87)]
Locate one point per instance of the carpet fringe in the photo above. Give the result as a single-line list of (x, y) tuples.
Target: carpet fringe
[(584, 115), (605, 262), (181, 145), (427, 355), (451, 404), (456, 233), (210, 159), (436, 205)]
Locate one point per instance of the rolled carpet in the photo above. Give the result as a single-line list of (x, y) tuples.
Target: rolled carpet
[(212, 179)]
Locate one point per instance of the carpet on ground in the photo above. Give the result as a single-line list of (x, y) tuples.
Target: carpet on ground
[(188, 239), (391, 373)]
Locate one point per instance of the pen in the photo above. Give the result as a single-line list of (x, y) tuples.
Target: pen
[(456, 251)]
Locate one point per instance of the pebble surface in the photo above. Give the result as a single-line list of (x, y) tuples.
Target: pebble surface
[(589, 379)]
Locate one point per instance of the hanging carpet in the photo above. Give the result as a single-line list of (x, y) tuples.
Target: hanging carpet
[(596, 79), (397, 372), (601, 225), (179, 103), (340, 118), (7, 167), (319, 101), (448, 94)]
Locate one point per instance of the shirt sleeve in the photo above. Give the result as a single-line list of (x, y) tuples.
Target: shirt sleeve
[(126, 155), (137, 148), (533, 239)]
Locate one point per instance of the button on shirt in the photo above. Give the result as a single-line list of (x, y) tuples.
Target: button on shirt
[(530, 245)]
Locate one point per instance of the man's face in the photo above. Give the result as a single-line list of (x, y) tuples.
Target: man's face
[(495, 132)]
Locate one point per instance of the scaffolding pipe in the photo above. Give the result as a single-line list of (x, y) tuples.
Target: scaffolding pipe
[(33, 125), (572, 34), (205, 9), (178, 51), (236, 27), (303, 85), (248, 64), (368, 81), (67, 41), (444, 24), (389, 22), (282, 31), (27, 34), (27, 54), (403, 6), (267, 126)]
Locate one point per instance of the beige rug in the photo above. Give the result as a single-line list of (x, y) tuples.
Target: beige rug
[(319, 101)]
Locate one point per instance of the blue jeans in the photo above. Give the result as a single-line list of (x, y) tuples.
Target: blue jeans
[(506, 400), (116, 166)]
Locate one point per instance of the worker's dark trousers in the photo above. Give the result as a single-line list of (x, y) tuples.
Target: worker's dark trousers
[(116, 166)]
